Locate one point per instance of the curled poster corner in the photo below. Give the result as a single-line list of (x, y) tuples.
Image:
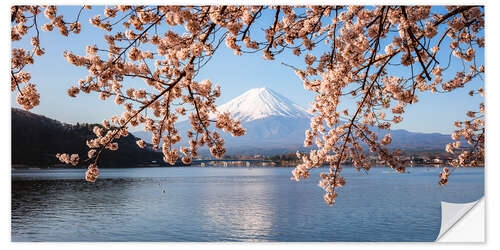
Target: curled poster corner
[(453, 213)]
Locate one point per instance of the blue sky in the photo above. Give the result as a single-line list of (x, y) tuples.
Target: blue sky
[(235, 75)]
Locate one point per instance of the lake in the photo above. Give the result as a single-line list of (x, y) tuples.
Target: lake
[(232, 204)]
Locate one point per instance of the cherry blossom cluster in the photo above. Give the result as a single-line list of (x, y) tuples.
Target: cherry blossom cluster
[(23, 20), (92, 173), (69, 159), (443, 176), (472, 131)]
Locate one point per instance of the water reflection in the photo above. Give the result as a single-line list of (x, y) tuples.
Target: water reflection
[(251, 217)]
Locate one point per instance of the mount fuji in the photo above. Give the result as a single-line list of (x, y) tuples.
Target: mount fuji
[(275, 124), (262, 103)]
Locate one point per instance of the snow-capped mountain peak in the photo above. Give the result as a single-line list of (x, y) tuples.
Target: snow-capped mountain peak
[(260, 103)]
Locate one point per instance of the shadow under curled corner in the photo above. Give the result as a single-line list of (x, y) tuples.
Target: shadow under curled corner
[(462, 222)]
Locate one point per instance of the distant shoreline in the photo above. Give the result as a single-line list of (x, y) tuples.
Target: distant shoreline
[(35, 167)]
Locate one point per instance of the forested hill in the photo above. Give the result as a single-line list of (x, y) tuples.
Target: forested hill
[(37, 139)]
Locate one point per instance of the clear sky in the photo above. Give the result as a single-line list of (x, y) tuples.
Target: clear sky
[(235, 75)]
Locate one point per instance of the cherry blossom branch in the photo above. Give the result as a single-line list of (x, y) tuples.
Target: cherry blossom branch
[(274, 28), (171, 85), (408, 29), (250, 24), (375, 48)]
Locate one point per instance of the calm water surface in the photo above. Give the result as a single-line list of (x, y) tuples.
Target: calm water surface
[(232, 204)]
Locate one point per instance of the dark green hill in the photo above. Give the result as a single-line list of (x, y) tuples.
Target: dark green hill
[(37, 139)]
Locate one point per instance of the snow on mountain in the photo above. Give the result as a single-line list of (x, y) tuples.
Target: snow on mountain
[(260, 103), (273, 122)]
